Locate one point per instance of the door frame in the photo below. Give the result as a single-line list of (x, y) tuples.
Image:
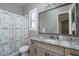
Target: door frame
[(58, 20)]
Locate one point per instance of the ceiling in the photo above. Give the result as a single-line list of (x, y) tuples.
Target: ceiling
[(19, 4), (17, 7), (22, 4), (13, 4)]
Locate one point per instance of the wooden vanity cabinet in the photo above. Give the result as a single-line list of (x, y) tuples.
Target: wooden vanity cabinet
[(44, 49)]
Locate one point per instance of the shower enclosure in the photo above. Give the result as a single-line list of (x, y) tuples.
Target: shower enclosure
[(13, 32)]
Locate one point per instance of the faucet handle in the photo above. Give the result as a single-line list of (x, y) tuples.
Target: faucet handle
[(51, 37)]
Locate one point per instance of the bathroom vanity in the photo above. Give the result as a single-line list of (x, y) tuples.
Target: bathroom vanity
[(45, 48), (61, 20), (42, 49)]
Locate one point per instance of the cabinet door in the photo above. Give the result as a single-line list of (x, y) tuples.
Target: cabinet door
[(70, 52), (40, 51), (33, 50)]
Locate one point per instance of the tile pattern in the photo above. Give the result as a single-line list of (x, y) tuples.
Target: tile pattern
[(13, 32)]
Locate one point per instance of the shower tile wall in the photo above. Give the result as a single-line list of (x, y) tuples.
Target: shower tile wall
[(13, 32)]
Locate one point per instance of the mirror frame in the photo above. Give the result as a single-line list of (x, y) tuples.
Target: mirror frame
[(49, 10)]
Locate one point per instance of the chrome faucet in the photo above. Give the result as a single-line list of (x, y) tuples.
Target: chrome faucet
[(54, 37)]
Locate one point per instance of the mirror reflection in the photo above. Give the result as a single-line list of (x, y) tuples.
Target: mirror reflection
[(59, 20)]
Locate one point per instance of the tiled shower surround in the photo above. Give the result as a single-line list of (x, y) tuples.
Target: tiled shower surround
[(13, 32)]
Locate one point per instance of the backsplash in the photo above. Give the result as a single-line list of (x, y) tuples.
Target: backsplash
[(13, 32), (73, 39)]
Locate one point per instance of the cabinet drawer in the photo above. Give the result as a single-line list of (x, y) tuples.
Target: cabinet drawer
[(54, 54), (52, 48), (33, 43)]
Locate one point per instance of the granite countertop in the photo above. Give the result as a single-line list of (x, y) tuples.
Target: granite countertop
[(62, 43)]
